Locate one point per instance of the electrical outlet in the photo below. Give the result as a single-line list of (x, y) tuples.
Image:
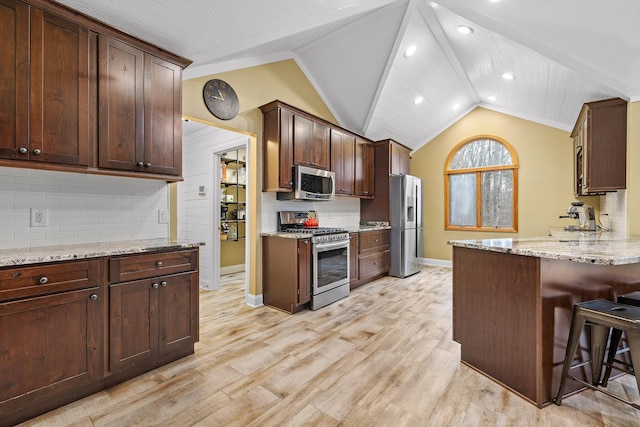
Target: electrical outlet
[(39, 217), (163, 216)]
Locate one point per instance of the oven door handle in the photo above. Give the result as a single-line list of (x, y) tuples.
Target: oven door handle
[(327, 246)]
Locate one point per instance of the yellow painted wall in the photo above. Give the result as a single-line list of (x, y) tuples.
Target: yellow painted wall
[(633, 167), (545, 177), (255, 86)]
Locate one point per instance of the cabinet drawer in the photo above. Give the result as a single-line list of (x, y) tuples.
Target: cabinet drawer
[(371, 241), (123, 269), (373, 265), (36, 280)]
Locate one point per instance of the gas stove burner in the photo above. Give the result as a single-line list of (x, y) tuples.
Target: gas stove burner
[(313, 230)]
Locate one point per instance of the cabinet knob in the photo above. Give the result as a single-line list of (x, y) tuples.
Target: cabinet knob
[(163, 283), (147, 165), (375, 240), (139, 164), (23, 150), (159, 264), (43, 280), (37, 151), (155, 286), (93, 297)]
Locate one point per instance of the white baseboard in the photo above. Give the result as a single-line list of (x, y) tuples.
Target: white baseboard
[(254, 300), (230, 269), (435, 262)]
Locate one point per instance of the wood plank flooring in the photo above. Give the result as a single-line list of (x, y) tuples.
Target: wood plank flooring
[(381, 357)]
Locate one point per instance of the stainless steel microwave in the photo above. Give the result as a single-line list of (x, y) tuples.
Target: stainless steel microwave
[(311, 184)]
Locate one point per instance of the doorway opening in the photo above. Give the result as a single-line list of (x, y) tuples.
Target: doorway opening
[(207, 200)]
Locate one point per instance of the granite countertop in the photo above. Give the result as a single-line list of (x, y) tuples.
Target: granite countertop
[(601, 248), (37, 255)]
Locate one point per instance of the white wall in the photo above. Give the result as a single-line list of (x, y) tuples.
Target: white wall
[(340, 212), (81, 208), (197, 217)]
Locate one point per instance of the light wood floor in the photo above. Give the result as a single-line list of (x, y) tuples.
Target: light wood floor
[(382, 357)]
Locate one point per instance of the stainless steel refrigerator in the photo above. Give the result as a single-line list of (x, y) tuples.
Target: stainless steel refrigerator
[(405, 217)]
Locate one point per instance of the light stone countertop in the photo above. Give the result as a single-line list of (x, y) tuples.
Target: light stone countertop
[(602, 248), (37, 255)]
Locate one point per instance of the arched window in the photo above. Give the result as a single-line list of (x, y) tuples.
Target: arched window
[(481, 186)]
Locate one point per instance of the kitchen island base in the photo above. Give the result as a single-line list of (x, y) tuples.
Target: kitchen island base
[(512, 314)]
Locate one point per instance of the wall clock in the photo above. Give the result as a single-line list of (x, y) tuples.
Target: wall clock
[(221, 99)]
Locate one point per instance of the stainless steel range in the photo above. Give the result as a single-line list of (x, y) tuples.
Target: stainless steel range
[(330, 256)]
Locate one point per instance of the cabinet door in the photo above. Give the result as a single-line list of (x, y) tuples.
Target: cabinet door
[(304, 271), (133, 330), (59, 90), (177, 312), (353, 257), (310, 143), (399, 160), (49, 345), (121, 101), (343, 162), (364, 169), (14, 75), (162, 116)]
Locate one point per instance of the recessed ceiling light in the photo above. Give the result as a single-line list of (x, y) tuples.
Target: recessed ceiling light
[(494, 1), (410, 51), (418, 100), (508, 76), (465, 29), (491, 98), (433, 4), (454, 107)]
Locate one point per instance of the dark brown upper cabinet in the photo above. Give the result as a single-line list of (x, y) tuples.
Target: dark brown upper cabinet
[(140, 111), (343, 152), (600, 147), (78, 95), (44, 101)]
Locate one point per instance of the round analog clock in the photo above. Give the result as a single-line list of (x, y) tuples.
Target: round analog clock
[(220, 99)]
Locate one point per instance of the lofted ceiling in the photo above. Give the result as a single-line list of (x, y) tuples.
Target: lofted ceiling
[(562, 53)]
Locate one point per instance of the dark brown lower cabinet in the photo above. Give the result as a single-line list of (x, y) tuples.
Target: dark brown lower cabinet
[(50, 347), (151, 318), (65, 332), (286, 273), (373, 257)]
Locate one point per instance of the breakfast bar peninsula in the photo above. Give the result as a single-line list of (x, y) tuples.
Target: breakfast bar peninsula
[(513, 300)]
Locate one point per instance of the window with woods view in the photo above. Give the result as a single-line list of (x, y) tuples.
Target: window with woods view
[(481, 186)]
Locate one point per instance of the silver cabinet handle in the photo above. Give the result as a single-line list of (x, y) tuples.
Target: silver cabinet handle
[(93, 297), (163, 283), (140, 164), (154, 286), (159, 264), (43, 280), (23, 150), (147, 165), (37, 151)]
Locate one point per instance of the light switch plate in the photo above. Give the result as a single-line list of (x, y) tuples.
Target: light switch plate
[(163, 216)]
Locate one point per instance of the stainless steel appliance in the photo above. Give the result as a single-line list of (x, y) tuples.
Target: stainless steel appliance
[(583, 213), (405, 218), (330, 256), (310, 184)]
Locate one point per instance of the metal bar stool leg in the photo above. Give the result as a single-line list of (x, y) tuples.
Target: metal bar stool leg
[(633, 337), (616, 335), (577, 323), (599, 337)]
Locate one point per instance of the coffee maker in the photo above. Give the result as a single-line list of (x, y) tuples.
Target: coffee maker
[(585, 214)]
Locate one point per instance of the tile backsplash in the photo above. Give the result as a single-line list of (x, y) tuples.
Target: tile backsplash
[(80, 208), (615, 206)]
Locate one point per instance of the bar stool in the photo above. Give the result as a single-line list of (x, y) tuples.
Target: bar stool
[(632, 298), (601, 316)]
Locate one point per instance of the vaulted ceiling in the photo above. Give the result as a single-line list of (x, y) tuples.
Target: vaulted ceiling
[(562, 53)]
